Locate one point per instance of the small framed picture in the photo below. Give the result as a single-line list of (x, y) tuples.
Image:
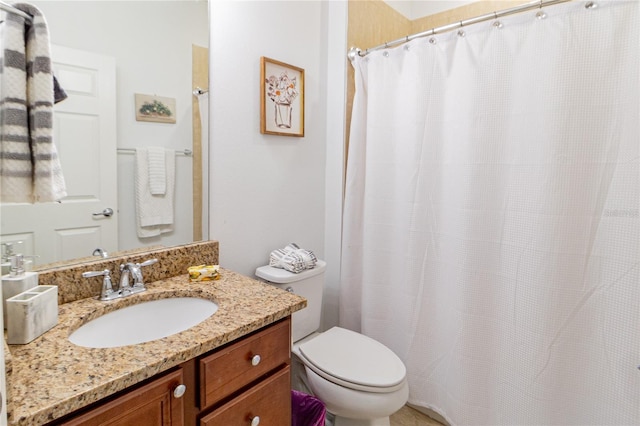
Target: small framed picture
[(157, 109), (281, 98)]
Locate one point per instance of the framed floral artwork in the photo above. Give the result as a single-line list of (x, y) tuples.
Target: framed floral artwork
[(157, 109), (281, 99)]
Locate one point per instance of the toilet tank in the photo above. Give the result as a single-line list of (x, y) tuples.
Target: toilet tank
[(308, 284)]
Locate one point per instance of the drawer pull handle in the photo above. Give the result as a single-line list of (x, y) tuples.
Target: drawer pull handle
[(255, 421), (255, 360), (179, 391)]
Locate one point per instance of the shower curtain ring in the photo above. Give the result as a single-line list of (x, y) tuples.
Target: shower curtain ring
[(461, 32)]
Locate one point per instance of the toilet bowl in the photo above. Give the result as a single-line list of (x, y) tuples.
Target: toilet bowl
[(357, 408), (361, 381)]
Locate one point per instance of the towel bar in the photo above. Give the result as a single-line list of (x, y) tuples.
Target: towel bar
[(187, 152)]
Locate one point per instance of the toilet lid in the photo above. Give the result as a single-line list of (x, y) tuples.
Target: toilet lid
[(354, 358)]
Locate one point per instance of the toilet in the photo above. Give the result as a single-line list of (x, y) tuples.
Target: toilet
[(361, 381)]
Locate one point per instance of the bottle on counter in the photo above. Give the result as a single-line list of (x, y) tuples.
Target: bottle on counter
[(8, 250), (16, 281)]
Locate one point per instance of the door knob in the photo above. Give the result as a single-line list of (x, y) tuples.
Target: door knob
[(108, 212)]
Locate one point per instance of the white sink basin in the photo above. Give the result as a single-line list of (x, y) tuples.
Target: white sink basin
[(143, 322)]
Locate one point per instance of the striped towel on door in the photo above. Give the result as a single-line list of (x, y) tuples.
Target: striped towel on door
[(29, 164)]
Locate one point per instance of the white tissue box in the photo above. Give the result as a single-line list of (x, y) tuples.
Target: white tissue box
[(31, 313)]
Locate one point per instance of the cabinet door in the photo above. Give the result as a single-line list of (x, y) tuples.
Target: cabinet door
[(270, 400), (150, 405)]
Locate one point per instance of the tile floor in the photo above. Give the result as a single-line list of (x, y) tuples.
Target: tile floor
[(407, 416)]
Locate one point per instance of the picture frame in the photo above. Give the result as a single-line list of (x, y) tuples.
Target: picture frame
[(281, 98), (157, 109)]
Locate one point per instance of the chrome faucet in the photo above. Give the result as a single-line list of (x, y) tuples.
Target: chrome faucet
[(132, 271), (129, 271)]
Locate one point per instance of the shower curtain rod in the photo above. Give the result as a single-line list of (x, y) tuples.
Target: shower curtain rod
[(539, 4), (8, 8)]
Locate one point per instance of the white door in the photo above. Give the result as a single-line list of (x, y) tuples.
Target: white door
[(85, 135)]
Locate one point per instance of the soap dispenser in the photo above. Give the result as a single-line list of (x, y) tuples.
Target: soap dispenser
[(16, 281), (7, 252)]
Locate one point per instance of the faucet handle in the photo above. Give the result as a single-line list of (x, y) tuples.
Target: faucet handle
[(138, 282), (107, 292), (148, 262)]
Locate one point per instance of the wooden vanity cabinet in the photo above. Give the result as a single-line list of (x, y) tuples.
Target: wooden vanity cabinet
[(228, 386)]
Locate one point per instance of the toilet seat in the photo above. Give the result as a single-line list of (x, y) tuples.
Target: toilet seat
[(353, 360)]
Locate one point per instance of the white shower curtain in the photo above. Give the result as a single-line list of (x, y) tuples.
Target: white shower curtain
[(491, 223)]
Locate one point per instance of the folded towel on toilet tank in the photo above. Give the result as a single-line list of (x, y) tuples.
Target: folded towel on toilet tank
[(293, 259), (309, 257)]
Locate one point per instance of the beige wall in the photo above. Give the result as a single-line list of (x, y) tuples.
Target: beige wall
[(460, 13), (199, 78)]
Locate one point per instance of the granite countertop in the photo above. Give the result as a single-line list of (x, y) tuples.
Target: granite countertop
[(52, 377)]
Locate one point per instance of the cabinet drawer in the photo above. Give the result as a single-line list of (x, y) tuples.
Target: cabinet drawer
[(270, 400), (231, 368)]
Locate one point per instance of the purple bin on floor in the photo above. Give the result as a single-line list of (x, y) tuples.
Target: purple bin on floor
[(306, 410)]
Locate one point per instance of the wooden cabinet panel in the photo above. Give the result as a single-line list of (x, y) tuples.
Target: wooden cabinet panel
[(152, 404), (270, 400), (229, 369)]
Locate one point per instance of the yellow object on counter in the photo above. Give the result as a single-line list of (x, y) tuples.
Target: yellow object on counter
[(204, 273)]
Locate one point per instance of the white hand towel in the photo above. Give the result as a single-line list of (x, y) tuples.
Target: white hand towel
[(157, 170), (154, 213)]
